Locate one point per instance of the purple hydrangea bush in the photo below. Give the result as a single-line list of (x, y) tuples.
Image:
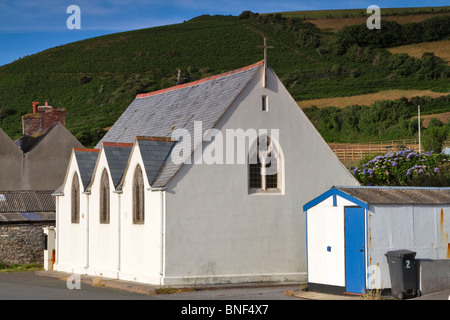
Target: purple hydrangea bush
[(405, 168)]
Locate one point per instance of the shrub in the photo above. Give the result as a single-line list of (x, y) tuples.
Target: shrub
[(434, 138), (405, 168)]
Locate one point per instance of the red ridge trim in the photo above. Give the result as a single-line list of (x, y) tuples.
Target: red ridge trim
[(86, 150), (117, 144), (190, 84)]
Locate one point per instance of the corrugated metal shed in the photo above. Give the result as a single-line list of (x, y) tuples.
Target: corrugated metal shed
[(399, 195), (350, 230)]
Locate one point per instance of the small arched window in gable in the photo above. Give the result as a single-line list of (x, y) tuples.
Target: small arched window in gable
[(75, 199), (265, 166), (104, 198), (138, 196)]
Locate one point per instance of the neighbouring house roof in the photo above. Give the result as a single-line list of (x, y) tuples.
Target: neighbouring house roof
[(365, 196), (27, 143), (158, 114), (19, 206)]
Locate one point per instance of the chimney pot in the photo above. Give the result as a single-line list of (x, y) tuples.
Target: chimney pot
[(35, 106)]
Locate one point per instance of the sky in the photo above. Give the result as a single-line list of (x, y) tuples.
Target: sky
[(31, 26)]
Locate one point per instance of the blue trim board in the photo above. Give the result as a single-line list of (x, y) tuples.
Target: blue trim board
[(306, 235), (333, 192), (366, 246)]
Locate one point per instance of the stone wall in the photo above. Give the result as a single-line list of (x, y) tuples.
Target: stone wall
[(22, 243)]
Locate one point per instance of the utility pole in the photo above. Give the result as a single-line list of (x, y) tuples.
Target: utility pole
[(420, 146)]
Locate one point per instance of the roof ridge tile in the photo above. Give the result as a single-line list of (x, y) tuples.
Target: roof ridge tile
[(190, 84)]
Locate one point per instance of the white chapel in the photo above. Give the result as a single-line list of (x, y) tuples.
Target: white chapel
[(175, 194)]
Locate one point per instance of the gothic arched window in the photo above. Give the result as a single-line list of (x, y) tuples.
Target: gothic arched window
[(75, 199), (104, 198), (264, 166), (138, 196)]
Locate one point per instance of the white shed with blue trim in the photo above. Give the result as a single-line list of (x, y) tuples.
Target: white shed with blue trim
[(349, 230)]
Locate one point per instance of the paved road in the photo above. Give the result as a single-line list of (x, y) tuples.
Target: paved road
[(29, 286)]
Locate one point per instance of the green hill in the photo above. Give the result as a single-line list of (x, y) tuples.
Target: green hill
[(96, 79)]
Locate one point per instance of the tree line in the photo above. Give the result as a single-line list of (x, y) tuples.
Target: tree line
[(383, 120), (392, 34)]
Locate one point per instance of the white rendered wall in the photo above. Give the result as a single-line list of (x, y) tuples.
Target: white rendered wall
[(140, 245), (71, 237), (103, 238)]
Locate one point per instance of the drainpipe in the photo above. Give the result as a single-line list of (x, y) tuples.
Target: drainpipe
[(163, 230), (87, 193), (119, 199), (57, 229), (57, 196)]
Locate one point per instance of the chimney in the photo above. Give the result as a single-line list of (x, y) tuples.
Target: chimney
[(42, 118), (35, 106)]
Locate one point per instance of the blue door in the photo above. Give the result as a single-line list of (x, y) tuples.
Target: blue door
[(354, 250)]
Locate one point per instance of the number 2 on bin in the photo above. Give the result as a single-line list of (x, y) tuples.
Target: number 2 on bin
[(407, 264)]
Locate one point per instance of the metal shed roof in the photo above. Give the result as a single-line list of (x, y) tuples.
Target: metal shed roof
[(27, 216), (400, 195), (365, 196), (23, 206), (26, 201)]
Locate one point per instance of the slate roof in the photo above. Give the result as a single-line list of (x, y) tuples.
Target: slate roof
[(86, 159), (20, 217), (27, 143), (158, 114), (154, 153), (17, 206), (399, 195), (117, 156)]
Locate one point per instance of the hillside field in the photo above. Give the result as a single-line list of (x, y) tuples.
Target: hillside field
[(336, 24), (440, 49), (368, 99), (96, 79)]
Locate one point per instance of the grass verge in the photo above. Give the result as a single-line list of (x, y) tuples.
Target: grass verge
[(23, 267)]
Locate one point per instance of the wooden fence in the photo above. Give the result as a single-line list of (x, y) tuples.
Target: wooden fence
[(357, 151)]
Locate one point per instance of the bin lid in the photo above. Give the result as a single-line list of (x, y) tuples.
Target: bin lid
[(400, 253)]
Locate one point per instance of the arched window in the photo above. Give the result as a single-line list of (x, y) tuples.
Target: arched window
[(104, 198), (138, 196), (75, 199), (264, 166)]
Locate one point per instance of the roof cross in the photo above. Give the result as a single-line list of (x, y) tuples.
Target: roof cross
[(265, 47)]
